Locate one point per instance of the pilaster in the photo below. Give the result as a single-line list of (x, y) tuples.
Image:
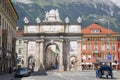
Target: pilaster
[(26, 53), (66, 55), (41, 57), (79, 68), (37, 56), (61, 67)]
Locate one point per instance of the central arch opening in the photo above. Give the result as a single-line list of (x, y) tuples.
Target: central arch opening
[(52, 57)]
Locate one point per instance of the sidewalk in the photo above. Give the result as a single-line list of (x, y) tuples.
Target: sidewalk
[(7, 76)]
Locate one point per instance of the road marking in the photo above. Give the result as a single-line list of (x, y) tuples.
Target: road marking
[(27, 79)]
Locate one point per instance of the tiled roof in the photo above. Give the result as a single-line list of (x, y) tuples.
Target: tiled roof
[(19, 33), (92, 26)]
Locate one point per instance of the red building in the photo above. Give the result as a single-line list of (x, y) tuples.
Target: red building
[(119, 54), (99, 43)]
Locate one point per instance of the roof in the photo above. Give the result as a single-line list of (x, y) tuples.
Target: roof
[(19, 33), (14, 11), (93, 26)]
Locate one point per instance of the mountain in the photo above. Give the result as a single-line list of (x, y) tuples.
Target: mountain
[(105, 12)]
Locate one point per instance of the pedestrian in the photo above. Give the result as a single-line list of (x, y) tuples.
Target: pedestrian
[(10, 70), (14, 69)]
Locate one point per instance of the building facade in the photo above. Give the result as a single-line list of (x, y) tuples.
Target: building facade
[(99, 43), (8, 17), (119, 54), (20, 47), (65, 39)]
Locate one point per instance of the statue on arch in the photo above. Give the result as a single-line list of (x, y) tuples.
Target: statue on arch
[(52, 16), (79, 19), (38, 20), (67, 20), (26, 20)]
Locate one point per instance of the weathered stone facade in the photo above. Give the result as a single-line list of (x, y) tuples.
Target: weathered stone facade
[(52, 31), (8, 18)]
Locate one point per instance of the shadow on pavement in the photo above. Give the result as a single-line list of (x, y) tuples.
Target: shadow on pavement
[(40, 72), (109, 78)]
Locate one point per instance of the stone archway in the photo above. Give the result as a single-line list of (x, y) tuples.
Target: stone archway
[(52, 55), (73, 62), (53, 31)]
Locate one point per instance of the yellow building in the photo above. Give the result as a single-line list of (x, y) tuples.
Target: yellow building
[(8, 17)]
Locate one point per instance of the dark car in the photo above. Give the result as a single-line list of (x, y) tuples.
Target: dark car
[(22, 72), (104, 69)]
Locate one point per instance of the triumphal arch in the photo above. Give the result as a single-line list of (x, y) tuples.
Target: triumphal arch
[(52, 43)]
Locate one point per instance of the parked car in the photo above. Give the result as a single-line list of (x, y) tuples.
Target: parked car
[(104, 69), (22, 72)]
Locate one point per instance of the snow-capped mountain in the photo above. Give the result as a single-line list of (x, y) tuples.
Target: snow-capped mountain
[(89, 10)]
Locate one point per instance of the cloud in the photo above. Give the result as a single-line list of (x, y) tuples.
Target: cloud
[(24, 1), (116, 2)]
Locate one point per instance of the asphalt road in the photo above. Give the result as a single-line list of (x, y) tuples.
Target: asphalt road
[(52, 75)]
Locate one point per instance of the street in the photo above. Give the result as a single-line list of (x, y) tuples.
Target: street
[(53, 75)]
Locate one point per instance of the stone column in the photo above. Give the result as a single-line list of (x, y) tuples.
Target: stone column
[(41, 57), (79, 67), (61, 67), (26, 53), (66, 55), (37, 56)]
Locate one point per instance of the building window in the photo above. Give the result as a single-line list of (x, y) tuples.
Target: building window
[(108, 46), (95, 31), (89, 57), (89, 47), (89, 39), (102, 39), (19, 51), (95, 39), (0, 20), (83, 58), (96, 47), (113, 39), (113, 47), (103, 47), (3, 23), (84, 47), (84, 39), (20, 41)]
